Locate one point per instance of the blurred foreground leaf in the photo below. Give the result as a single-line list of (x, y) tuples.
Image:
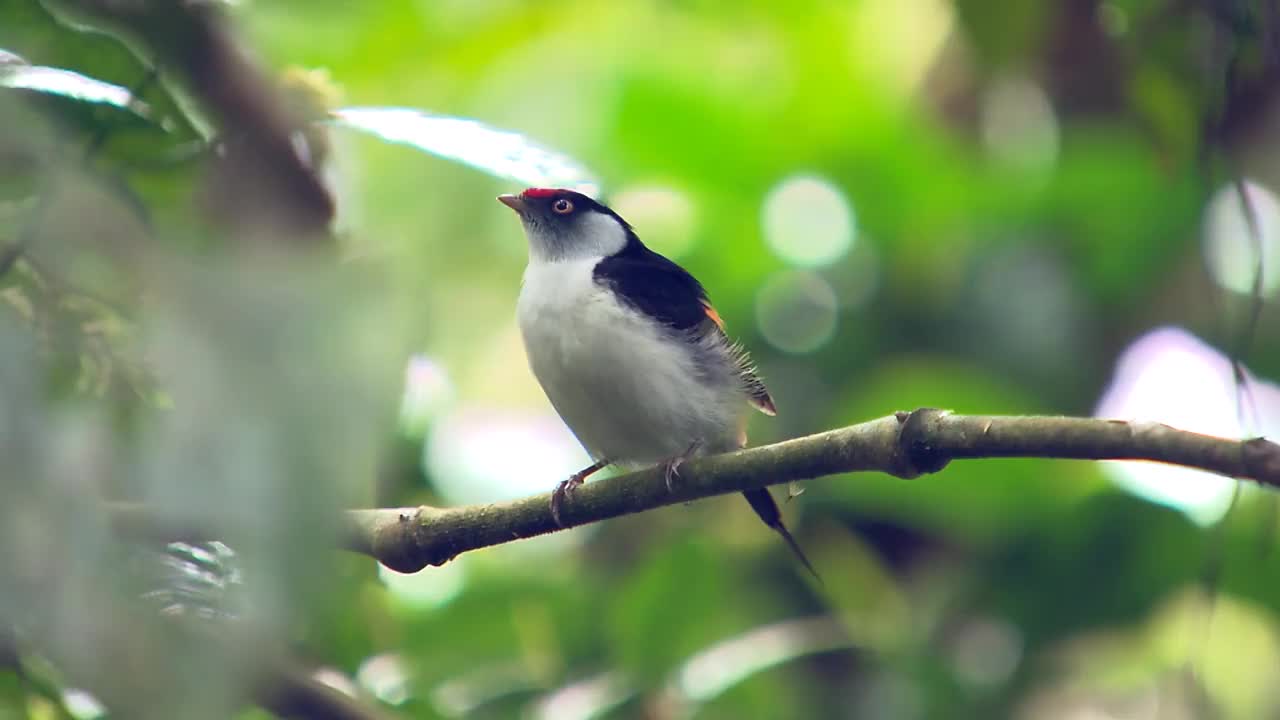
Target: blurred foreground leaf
[(16, 74), (501, 153)]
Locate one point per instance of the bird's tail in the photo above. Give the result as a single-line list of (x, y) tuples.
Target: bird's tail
[(762, 502)]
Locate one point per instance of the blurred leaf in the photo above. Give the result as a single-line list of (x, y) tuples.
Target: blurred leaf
[(871, 605), (1232, 662), (1031, 572), (1129, 227), (29, 30), (13, 697), (501, 153), (673, 605), (65, 83)]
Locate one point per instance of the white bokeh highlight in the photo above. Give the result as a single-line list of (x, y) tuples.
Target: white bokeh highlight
[(1173, 377), (663, 216), (985, 651), (481, 455), (1230, 245), (428, 391), (1018, 126), (81, 705), (807, 221), (797, 311), (385, 677), (426, 590)]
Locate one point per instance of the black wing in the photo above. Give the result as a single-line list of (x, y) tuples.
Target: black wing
[(667, 292), (655, 286)]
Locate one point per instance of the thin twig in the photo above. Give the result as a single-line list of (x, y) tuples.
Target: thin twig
[(1240, 349)]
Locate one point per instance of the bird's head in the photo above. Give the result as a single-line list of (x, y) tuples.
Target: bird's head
[(567, 225)]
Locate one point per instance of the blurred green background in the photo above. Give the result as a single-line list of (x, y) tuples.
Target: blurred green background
[(1027, 207)]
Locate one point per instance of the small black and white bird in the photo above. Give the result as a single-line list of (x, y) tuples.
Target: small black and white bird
[(628, 347)]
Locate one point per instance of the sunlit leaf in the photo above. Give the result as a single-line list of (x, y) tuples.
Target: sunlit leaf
[(719, 667), (16, 74), (502, 153)]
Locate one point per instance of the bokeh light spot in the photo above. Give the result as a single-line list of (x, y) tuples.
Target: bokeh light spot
[(1230, 246), (427, 391), (856, 279), (1018, 125), (985, 651), (336, 679), (584, 700), (796, 311), (81, 705), (425, 591), (719, 667), (876, 42), (1171, 376), (386, 677), (479, 455), (808, 222), (1012, 334), (663, 216)]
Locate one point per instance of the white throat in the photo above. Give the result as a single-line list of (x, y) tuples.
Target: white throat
[(594, 235)]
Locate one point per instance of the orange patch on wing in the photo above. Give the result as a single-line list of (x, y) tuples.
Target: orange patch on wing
[(711, 313)]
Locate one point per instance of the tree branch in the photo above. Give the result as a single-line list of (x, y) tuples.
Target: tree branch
[(259, 177), (905, 445)]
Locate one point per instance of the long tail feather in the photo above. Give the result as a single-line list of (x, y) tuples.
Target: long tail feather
[(762, 502)]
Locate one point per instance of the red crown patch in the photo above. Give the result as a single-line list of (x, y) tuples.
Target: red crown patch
[(540, 192)]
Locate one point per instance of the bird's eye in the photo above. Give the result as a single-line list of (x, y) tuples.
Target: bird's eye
[(562, 206)]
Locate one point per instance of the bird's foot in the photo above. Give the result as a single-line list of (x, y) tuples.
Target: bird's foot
[(671, 471), (671, 468), (567, 486), (562, 491)]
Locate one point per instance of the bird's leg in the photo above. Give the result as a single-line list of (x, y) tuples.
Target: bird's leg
[(566, 487), (671, 468)]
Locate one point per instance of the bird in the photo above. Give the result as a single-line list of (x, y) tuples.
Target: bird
[(629, 349)]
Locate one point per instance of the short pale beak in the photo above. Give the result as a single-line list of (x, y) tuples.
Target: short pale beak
[(512, 201)]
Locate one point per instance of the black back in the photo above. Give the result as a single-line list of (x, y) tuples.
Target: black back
[(654, 285)]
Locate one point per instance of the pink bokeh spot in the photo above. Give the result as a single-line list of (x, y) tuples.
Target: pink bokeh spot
[(1171, 376)]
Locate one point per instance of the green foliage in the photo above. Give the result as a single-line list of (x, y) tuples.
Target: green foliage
[(1026, 187)]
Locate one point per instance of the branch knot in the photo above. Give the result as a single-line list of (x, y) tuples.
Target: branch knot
[(917, 452), (1262, 458), (409, 544)]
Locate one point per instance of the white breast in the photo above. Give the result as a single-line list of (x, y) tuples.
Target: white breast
[(626, 388)]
